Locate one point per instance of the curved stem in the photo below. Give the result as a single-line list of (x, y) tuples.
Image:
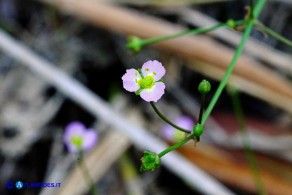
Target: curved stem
[(250, 23), (272, 33), (175, 146), (167, 120)]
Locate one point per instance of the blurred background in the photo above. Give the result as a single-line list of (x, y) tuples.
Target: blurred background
[(85, 42)]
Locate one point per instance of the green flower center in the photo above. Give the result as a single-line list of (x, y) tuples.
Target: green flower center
[(178, 135), (77, 141), (146, 83)]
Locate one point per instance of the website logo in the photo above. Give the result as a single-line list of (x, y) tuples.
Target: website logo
[(19, 184)]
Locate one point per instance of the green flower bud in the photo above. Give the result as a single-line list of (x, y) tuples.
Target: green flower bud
[(231, 23), (150, 161), (204, 87), (198, 130), (134, 43)]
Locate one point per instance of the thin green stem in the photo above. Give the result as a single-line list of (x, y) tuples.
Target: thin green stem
[(251, 4), (250, 23), (188, 32), (177, 145), (167, 120), (246, 141), (203, 97), (86, 174), (272, 33)]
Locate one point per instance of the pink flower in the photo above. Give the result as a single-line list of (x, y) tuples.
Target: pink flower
[(172, 134), (77, 137), (146, 82)]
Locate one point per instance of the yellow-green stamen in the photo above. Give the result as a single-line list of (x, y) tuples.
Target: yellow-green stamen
[(77, 141), (146, 83)]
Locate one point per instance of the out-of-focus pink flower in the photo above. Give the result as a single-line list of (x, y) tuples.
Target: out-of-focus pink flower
[(146, 82), (77, 137), (172, 134)]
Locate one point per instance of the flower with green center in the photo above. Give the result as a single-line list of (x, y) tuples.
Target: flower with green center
[(77, 137), (146, 82)]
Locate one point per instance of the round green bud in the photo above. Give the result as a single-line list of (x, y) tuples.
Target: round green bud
[(198, 130), (231, 23), (204, 87), (150, 161), (134, 43)]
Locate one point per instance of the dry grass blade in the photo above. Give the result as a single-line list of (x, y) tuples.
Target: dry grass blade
[(223, 166), (164, 2)]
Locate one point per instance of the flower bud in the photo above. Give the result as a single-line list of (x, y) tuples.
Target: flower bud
[(231, 23), (150, 161), (134, 43), (198, 130), (204, 87)]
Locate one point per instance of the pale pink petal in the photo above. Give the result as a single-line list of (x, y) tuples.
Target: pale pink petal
[(153, 68), (185, 122), (130, 79), (89, 139), (73, 128), (153, 94)]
